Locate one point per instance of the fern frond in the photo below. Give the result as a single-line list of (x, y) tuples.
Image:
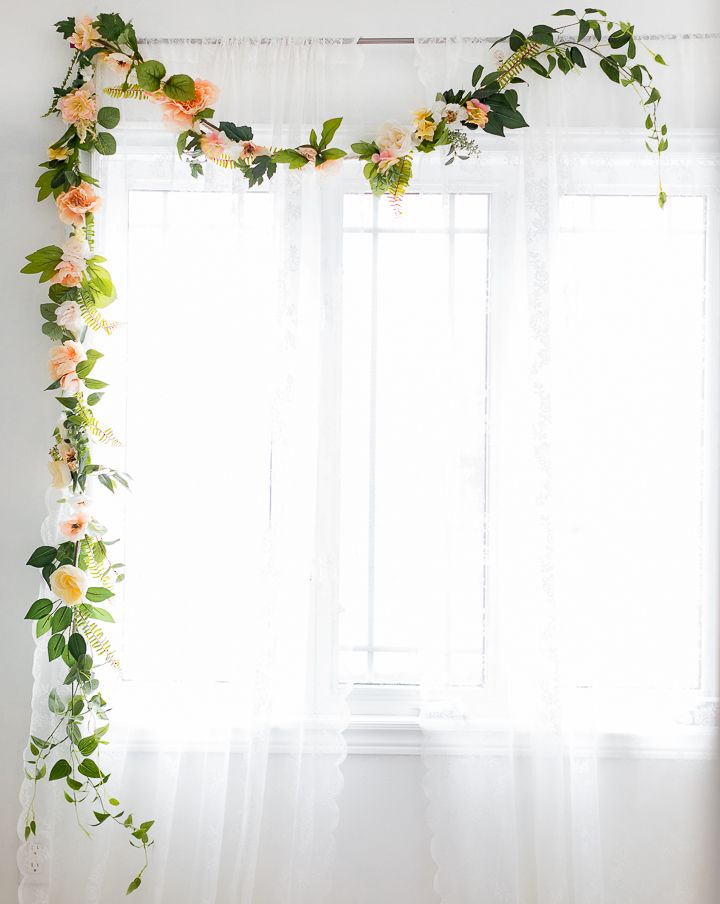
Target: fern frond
[(103, 435), (135, 92), (225, 162), (89, 563), (95, 638), (513, 65), (92, 316), (398, 180)]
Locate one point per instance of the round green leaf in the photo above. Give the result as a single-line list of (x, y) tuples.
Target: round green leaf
[(108, 117), (179, 87), (150, 74), (105, 144)]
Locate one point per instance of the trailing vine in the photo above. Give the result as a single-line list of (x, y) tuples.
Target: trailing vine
[(78, 571)]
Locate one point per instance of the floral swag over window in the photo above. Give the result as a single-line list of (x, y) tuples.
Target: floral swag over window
[(80, 572)]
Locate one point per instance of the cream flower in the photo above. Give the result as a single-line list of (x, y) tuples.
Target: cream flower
[(79, 109), (120, 62), (75, 527), (58, 153), (396, 138), (68, 455), (453, 114), (69, 317), (76, 250), (477, 112), (249, 151), (69, 583), (75, 204), (60, 474), (85, 34)]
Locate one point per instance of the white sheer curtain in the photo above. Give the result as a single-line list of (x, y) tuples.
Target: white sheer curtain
[(600, 518)]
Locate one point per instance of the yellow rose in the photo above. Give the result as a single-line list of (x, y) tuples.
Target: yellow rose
[(60, 473), (425, 129), (69, 583), (58, 153)]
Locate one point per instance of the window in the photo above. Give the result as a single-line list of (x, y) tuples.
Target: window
[(414, 371)]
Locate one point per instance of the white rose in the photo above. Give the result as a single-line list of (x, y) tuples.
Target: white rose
[(76, 250), (453, 114), (60, 473), (396, 138), (68, 315)]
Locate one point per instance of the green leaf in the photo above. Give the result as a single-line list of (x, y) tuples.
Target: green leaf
[(48, 310), (43, 555), (107, 482), (333, 153), (98, 613), (98, 594), (94, 398), (110, 26), (39, 609), (659, 59), (88, 745), (66, 27), (477, 74), (56, 646), (109, 117), (150, 74), (90, 769), (61, 619), (55, 703), (133, 885), (235, 133), (95, 384), (364, 149), (179, 87), (43, 259), (577, 57), (565, 12), (61, 769), (611, 71), (43, 626), (77, 646), (105, 144), (330, 127), (291, 156)]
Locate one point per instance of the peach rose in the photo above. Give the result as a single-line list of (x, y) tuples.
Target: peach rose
[(70, 383), (79, 109), (67, 273), (477, 112), (73, 205), (180, 113), (213, 146), (65, 358), (85, 34), (307, 152), (60, 474), (69, 583), (68, 316), (75, 527)]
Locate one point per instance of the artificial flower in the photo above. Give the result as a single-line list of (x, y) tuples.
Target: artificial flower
[(453, 114), (425, 129), (179, 114), (75, 527), (68, 455), (58, 153), (70, 583), (249, 151), (85, 34), (120, 62), (69, 317), (477, 112), (60, 474), (70, 383), (81, 501), (77, 249), (64, 359), (310, 154), (79, 108), (385, 159), (212, 144), (75, 204), (396, 138), (67, 273)]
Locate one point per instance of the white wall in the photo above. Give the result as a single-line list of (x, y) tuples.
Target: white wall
[(383, 845)]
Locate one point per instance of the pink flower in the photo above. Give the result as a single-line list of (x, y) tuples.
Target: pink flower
[(66, 273), (477, 112), (85, 34), (76, 526), (120, 62), (70, 383), (213, 146), (64, 359), (79, 109), (68, 455), (68, 316), (73, 205), (250, 150), (180, 114), (307, 152), (385, 159)]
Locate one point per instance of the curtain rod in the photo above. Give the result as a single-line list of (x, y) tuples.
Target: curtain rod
[(396, 41)]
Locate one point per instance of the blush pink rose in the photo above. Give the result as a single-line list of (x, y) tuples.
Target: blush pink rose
[(73, 205), (385, 159), (213, 146), (180, 113), (67, 273), (68, 315), (85, 34)]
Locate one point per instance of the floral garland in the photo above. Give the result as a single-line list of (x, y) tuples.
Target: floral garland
[(79, 571)]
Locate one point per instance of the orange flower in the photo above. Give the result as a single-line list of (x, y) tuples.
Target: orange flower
[(76, 526), (477, 112), (181, 113), (73, 205), (67, 273), (79, 109)]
